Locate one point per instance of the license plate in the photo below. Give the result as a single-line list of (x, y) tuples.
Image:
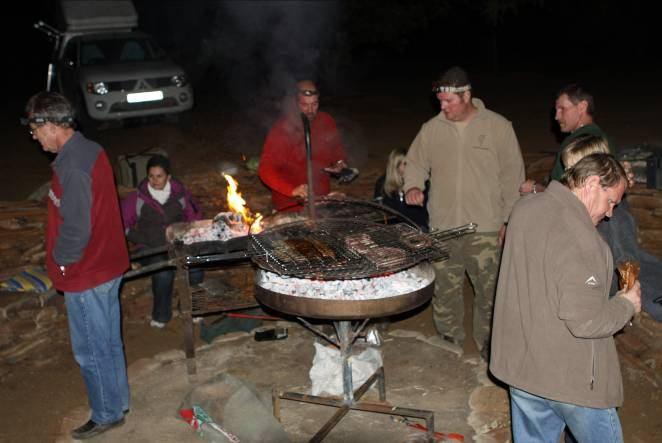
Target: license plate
[(139, 97)]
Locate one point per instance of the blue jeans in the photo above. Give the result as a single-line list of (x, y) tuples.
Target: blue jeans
[(96, 340), (536, 419), (162, 286)]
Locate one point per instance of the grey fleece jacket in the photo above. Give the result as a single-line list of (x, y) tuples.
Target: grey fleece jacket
[(553, 318)]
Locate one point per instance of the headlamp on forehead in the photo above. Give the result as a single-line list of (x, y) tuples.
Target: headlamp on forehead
[(309, 92), (41, 120), (437, 88)]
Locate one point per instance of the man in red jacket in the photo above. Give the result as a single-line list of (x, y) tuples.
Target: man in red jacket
[(283, 161), (86, 256)]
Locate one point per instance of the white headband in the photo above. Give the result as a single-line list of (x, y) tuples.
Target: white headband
[(455, 89)]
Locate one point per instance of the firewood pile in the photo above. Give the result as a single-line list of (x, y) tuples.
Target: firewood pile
[(22, 232), (646, 207)]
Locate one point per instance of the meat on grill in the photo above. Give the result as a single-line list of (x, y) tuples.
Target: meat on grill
[(416, 241), (360, 243), (310, 248), (385, 255)]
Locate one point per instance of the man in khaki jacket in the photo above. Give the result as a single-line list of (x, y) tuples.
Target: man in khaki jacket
[(473, 161), (553, 318)]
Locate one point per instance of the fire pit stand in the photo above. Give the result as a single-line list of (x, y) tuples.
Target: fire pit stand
[(347, 332), (213, 295), (349, 318)]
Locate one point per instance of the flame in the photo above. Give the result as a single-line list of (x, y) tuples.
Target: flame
[(237, 204)]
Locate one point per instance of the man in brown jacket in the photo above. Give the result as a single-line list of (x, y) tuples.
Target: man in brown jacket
[(473, 161), (553, 318)]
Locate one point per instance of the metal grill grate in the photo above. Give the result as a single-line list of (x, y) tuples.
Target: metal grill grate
[(335, 249)]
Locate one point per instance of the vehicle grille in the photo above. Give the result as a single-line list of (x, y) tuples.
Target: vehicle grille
[(124, 85), (159, 82), (167, 102)]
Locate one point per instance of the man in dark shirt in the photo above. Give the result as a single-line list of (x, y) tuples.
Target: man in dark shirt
[(575, 109)]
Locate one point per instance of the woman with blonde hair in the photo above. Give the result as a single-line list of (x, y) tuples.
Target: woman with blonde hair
[(389, 190), (581, 147)]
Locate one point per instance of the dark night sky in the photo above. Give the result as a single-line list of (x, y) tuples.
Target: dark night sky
[(244, 45)]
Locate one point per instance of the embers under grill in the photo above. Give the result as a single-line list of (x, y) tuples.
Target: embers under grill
[(334, 249)]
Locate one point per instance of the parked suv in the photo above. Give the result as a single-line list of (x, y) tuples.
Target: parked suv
[(111, 71)]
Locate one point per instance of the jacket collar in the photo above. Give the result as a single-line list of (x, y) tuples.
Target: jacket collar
[(570, 201), (176, 189), (480, 107), (76, 138)]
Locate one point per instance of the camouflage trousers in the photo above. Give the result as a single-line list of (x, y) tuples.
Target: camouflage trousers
[(478, 256)]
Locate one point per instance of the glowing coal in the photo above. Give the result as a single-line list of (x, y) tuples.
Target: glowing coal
[(400, 283)]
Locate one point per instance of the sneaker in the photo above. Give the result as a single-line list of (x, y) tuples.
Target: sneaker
[(157, 324), (92, 429)]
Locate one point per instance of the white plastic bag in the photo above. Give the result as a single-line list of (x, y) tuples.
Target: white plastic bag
[(326, 373)]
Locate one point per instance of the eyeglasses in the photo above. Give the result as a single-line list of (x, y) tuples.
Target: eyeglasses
[(33, 130)]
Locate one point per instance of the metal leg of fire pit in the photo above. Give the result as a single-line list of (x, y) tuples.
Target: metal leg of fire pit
[(185, 300), (346, 337)]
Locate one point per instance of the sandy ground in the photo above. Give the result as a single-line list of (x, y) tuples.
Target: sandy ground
[(46, 387)]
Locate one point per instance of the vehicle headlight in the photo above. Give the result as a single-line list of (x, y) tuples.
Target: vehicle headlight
[(98, 88), (179, 80)]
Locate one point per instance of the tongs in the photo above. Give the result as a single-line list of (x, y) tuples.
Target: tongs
[(449, 234)]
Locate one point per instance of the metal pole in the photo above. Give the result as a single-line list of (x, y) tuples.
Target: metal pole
[(49, 77), (309, 167), (343, 329)]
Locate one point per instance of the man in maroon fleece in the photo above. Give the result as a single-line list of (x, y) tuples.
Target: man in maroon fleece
[(86, 256)]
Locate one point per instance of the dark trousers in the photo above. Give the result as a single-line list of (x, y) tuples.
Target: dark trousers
[(620, 233), (162, 285)]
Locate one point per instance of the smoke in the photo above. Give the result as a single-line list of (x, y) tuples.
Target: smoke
[(263, 47), (259, 49)]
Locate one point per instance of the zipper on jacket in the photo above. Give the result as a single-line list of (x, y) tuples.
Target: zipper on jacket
[(592, 364)]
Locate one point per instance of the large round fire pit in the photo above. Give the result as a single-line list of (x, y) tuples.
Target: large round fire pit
[(344, 306)]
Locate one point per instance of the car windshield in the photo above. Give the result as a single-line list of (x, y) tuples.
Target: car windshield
[(119, 50)]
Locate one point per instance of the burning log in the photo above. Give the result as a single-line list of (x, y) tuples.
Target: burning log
[(224, 226)]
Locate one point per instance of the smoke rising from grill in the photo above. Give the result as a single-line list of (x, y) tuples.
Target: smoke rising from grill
[(262, 47)]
